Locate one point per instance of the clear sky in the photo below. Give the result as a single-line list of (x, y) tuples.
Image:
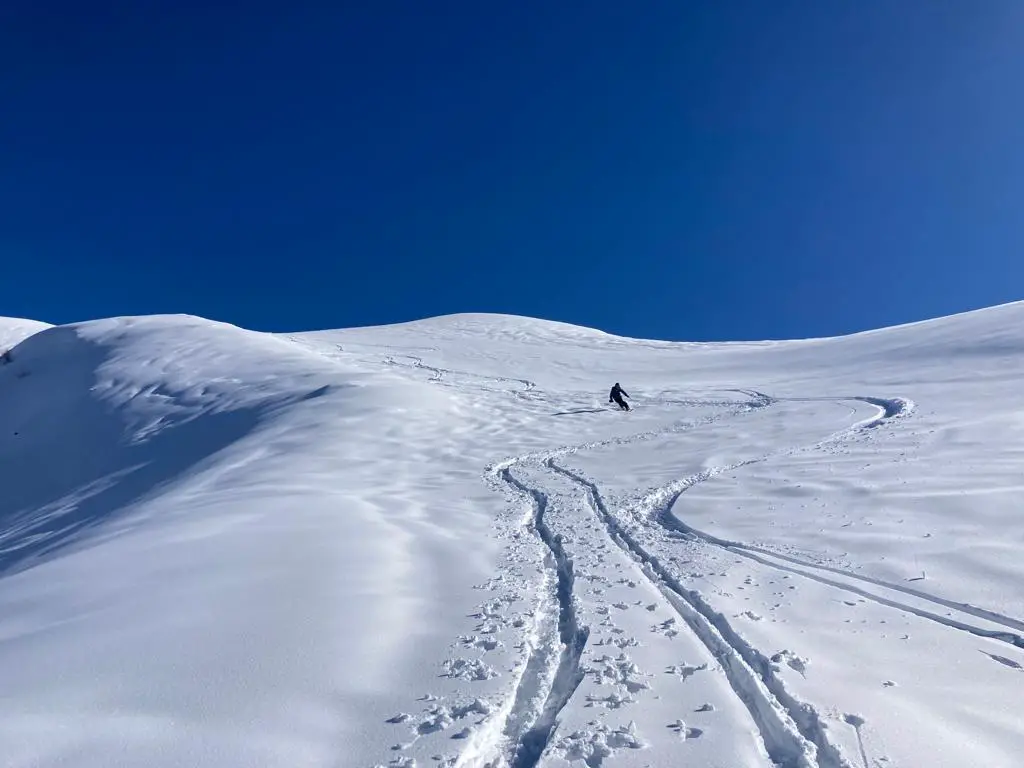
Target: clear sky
[(675, 169)]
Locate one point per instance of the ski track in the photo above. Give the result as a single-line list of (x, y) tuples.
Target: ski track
[(439, 373), (529, 745), (791, 731), (676, 428), (526, 733), (982, 613), (661, 501), (551, 672), (761, 556)]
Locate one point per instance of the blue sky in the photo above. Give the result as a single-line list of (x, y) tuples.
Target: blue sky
[(683, 170)]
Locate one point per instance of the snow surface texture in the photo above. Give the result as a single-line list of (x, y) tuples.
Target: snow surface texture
[(437, 544), (13, 331)]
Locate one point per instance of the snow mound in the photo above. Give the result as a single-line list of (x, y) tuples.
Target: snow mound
[(15, 330), (98, 415)]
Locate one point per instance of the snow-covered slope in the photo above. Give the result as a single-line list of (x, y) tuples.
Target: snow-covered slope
[(436, 544), (15, 330)]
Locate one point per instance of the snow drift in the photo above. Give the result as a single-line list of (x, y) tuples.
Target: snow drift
[(435, 543)]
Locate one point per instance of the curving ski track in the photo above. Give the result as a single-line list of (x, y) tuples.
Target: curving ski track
[(659, 504), (437, 374), (791, 731), (662, 514), (526, 733), (787, 739)]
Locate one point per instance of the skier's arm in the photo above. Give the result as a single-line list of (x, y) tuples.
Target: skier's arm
[(624, 392)]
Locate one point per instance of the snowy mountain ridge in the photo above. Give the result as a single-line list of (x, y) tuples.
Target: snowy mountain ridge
[(435, 543), (14, 330)]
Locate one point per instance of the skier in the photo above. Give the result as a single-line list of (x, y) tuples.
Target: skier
[(616, 396)]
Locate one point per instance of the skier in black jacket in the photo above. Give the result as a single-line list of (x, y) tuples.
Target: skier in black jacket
[(616, 396)]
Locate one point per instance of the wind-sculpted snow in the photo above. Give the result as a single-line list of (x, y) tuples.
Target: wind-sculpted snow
[(437, 543), (13, 331)]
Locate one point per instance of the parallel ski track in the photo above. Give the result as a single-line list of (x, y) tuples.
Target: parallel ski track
[(659, 504), (528, 744), (661, 513), (528, 733), (792, 731)]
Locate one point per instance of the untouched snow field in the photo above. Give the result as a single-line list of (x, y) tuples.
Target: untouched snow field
[(436, 544)]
